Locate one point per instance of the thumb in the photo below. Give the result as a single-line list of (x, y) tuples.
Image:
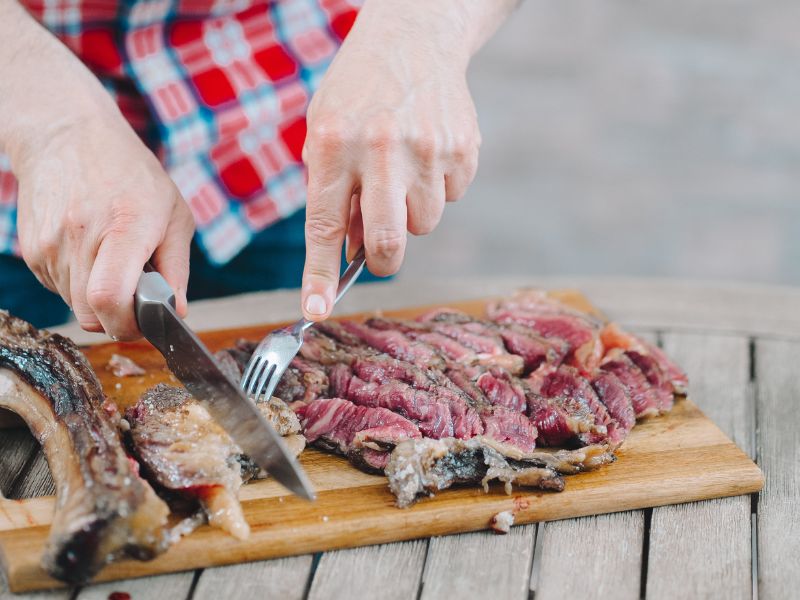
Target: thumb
[(327, 215)]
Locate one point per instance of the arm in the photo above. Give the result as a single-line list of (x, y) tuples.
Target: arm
[(392, 134), (94, 203)]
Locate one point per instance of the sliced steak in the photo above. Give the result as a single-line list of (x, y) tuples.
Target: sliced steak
[(614, 337), (396, 344), (365, 435), (643, 397), (104, 509), (501, 389), (565, 408), (617, 399), (662, 387)]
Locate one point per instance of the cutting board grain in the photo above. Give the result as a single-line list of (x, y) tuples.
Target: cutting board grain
[(679, 457)]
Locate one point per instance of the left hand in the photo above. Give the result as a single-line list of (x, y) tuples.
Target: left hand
[(392, 136)]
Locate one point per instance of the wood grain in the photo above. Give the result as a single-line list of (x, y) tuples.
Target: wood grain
[(562, 550), (779, 456), (279, 579), (164, 586), (694, 461), (467, 565), (390, 571), (593, 557), (703, 549)]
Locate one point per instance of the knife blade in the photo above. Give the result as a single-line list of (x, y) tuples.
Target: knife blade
[(192, 363)]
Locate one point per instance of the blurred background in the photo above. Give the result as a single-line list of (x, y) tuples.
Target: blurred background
[(627, 138)]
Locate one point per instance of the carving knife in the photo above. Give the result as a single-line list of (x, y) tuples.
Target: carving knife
[(192, 363)]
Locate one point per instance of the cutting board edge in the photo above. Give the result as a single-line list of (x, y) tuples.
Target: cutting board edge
[(23, 577)]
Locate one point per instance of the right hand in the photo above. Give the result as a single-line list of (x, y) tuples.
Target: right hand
[(94, 206)]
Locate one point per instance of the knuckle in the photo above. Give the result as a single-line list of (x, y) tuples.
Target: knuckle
[(383, 135), (328, 134), (386, 243), (425, 147), (323, 228), (103, 297)]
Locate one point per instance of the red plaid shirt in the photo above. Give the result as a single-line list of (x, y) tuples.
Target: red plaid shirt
[(217, 88)]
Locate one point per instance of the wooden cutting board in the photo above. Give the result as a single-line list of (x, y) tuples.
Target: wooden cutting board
[(678, 457)]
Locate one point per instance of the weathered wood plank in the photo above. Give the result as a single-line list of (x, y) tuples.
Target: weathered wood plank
[(703, 549), (606, 552), (16, 447), (390, 571), (779, 456), (175, 587), (281, 579), (38, 481), (565, 545), (467, 565)]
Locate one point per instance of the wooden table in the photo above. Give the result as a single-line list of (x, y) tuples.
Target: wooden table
[(740, 345)]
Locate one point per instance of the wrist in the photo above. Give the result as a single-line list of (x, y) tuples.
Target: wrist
[(45, 91)]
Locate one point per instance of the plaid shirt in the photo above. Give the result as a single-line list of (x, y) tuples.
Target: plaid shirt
[(217, 88)]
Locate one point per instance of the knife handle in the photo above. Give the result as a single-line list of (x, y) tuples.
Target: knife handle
[(153, 296)]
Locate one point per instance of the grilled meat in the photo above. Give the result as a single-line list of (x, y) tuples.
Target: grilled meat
[(104, 509), (182, 450), (422, 467)]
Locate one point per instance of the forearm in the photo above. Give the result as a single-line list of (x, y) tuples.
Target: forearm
[(44, 88), (454, 27)]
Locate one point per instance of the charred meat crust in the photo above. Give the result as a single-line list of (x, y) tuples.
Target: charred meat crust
[(104, 509)]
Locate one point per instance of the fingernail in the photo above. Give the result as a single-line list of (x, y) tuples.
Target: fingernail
[(315, 305)]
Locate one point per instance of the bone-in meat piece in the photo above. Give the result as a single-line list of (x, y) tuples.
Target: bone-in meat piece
[(184, 451), (104, 509)]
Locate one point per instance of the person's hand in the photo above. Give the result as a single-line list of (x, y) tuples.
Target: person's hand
[(392, 135), (94, 203)]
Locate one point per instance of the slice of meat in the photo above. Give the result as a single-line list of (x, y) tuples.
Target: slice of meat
[(512, 432), (450, 349), (502, 390), (397, 345), (122, 366), (476, 335), (381, 369), (184, 451), (565, 408), (662, 387), (303, 381), (617, 399), (341, 426), (614, 337), (582, 335), (643, 397), (419, 468), (432, 416), (104, 509), (534, 349)]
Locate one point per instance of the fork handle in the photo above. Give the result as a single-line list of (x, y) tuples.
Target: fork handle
[(346, 281)]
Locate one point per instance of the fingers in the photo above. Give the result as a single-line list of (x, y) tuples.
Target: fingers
[(113, 279), (327, 215), (460, 175), (425, 203), (79, 278), (384, 213), (355, 231), (171, 258)]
